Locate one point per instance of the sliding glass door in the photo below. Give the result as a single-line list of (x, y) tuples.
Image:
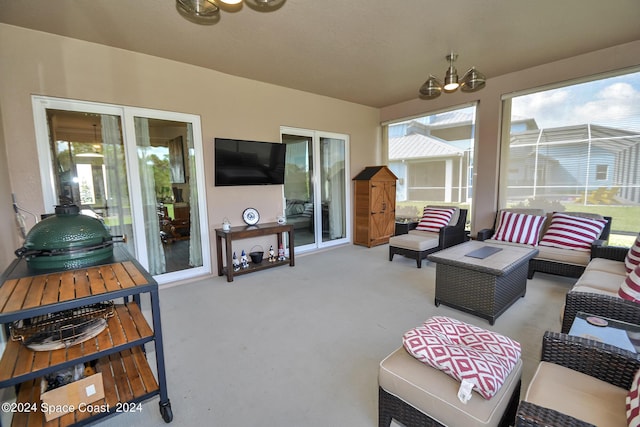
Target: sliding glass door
[(316, 187), (135, 169)]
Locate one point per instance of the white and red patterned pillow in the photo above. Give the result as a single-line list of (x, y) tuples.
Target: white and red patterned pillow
[(464, 351), (633, 256), (433, 219), (630, 287), (572, 232), (519, 228), (633, 402)]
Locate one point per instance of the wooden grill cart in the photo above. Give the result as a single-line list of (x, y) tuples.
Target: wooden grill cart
[(117, 352)]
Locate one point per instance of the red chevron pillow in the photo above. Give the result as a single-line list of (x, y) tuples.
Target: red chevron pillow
[(572, 232), (630, 287), (519, 228), (433, 219), (633, 256), (464, 351), (633, 402)]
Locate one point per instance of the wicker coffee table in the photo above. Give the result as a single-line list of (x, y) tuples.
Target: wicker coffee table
[(480, 278)]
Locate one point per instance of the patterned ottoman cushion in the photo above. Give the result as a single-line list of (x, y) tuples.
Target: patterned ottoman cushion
[(465, 352)]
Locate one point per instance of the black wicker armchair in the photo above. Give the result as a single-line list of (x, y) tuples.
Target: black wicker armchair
[(448, 236), (609, 306), (593, 358)]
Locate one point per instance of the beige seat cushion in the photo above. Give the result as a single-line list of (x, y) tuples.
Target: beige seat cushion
[(608, 265), (436, 394), (600, 280), (415, 242), (578, 395), (565, 256)]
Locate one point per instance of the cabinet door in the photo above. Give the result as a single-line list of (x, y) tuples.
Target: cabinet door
[(382, 211)]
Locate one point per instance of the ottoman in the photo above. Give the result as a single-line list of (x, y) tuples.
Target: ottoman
[(414, 246), (418, 395)]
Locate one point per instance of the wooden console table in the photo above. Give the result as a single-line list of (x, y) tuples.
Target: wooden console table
[(244, 232)]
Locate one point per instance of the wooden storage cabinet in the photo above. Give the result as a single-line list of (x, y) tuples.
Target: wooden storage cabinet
[(374, 206), (118, 350)]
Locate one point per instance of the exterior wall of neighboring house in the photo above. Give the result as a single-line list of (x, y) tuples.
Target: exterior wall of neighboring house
[(574, 163)]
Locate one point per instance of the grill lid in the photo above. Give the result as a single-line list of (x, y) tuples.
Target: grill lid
[(67, 234)]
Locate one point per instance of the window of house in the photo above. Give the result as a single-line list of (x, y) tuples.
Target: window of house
[(576, 148), (432, 156), (601, 172)]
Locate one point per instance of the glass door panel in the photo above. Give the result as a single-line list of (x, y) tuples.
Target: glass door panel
[(333, 183), (298, 188), (88, 158), (316, 187), (169, 198)]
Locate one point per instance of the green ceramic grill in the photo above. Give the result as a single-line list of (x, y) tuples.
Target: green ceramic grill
[(67, 240)]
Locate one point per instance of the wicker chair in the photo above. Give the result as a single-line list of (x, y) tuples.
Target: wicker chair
[(601, 361), (448, 236), (598, 304)]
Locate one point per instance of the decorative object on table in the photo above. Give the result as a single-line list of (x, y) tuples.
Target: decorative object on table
[(226, 225), (272, 254), (251, 216), (236, 263), (256, 256), (281, 219), (281, 256), (244, 261)]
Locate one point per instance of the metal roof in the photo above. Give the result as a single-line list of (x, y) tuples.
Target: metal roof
[(612, 139), (416, 146)]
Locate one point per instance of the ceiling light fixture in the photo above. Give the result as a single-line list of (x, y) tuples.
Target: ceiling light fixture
[(208, 11), (473, 80)]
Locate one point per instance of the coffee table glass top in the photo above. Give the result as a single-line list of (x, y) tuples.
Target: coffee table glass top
[(613, 332)]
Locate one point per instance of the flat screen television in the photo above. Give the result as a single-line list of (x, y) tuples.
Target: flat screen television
[(242, 162)]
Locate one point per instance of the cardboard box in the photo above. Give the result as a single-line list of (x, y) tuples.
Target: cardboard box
[(72, 397)]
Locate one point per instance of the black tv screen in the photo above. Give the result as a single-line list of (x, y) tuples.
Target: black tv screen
[(241, 162)]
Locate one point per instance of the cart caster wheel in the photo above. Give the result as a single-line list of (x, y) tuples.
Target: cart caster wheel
[(165, 411)]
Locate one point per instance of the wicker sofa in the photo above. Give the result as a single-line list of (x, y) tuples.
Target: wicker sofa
[(579, 382), (596, 291), (552, 260)]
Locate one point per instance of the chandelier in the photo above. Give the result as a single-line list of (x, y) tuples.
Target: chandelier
[(473, 80), (208, 10)]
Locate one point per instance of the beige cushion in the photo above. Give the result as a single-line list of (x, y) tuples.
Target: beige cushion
[(578, 395), (600, 280), (565, 256), (415, 242), (436, 394), (607, 265)]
